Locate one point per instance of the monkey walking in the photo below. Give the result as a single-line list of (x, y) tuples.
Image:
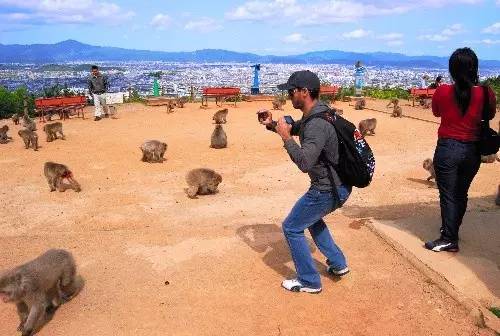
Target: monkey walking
[(56, 173), (153, 151), (181, 101), (220, 116), (278, 103), (170, 107), (219, 138), (4, 138), (202, 181), (30, 138), (429, 166), (52, 129), (39, 286), (28, 123), (367, 126)]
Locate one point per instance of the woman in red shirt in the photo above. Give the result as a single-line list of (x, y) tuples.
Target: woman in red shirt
[(457, 158)]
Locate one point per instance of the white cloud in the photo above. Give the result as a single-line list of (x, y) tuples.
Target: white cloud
[(161, 21), (444, 35), (295, 38), (493, 29), (62, 11), (203, 25), (357, 34), (498, 2), (488, 41), (261, 10)]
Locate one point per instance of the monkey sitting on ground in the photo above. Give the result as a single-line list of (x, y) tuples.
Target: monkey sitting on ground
[(429, 166), (202, 181), (39, 286), (15, 119), (28, 123), (219, 138), (4, 138), (426, 102), (220, 116), (30, 138), (52, 129), (56, 173), (278, 103), (153, 151), (360, 104), (397, 111), (367, 126)]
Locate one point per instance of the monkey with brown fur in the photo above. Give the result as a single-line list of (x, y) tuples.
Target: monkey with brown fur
[(181, 101), (15, 119), (219, 138), (360, 104), (367, 126), (40, 286), (4, 138), (170, 107), (429, 166), (30, 138), (278, 103), (52, 129), (202, 181), (153, 151), (28, 123), (56, 173), (220, 116), (397, 111)]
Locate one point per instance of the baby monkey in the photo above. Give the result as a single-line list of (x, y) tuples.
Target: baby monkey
[(220, 116), (367, 126), (52, 130), (397, 111), (153, 151), (202, 181), (56, 173), (429, 166), (39, 286)]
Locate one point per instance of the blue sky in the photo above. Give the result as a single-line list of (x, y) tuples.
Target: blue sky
[(278, 27)]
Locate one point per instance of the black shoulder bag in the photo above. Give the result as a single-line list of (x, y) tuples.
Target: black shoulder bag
[(489, 140)]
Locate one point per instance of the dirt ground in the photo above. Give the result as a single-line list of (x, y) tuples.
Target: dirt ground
[(158, 263)]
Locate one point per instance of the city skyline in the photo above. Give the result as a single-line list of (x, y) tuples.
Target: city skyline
[(279, 27)]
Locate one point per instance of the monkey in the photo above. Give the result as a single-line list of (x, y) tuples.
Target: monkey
[(56, 173), (426, 102), (360, 104), (30, 138), (52, 129), (220, 116), (339, 111), (202, 181), (170, 107), (368, 125), (429, 166), (219, 138), (497, 200), (15, 119), (39, 286), (4, 138), (278, 103), (397, 110), (489, 158), (28, 123), (181, 101), (153, 151)]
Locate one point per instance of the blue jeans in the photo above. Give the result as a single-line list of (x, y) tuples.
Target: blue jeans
[(456, 163), (307, 214)]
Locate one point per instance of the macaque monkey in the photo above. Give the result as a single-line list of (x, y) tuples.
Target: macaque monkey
[(202, 181)]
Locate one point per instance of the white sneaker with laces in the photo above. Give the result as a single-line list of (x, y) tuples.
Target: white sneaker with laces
[(293, 285)]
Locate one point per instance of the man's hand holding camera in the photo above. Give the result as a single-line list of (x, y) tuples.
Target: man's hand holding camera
[(284, 129)]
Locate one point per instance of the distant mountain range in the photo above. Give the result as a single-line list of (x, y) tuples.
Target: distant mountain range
[(74, 51)]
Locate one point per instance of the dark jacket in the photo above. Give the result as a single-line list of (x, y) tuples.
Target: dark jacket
[(98, 84), (316, 136)]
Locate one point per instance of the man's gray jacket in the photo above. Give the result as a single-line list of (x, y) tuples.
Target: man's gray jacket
[(98, 84), (316, 136)]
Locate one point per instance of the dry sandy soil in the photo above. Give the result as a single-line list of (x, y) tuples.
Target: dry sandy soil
[(158, 263)]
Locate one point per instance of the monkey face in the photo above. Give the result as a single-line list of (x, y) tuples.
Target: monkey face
[(12, 289)]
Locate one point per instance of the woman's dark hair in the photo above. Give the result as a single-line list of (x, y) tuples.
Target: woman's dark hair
[(463, 68)]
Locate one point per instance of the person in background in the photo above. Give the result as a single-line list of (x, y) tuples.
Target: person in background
[(437, 83), (98, 86)]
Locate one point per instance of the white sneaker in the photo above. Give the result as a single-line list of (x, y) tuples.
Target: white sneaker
[(293, 285), (335, 272)]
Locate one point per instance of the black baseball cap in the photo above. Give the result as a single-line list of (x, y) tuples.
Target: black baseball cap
[(301, 79)]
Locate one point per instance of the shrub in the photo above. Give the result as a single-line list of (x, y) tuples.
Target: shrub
[(12, 102)]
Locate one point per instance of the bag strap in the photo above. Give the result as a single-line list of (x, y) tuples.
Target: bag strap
[(485, 118)]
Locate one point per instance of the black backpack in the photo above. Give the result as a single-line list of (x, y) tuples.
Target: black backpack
[(356, 161)]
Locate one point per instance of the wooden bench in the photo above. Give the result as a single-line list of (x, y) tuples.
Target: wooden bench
[(421, 94), (60, 105), (331, 90), (220, 94)]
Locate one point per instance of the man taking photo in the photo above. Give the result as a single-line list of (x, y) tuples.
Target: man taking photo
[(318, 145)]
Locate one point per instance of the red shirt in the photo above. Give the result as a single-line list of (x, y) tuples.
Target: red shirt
[(453, 124)]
